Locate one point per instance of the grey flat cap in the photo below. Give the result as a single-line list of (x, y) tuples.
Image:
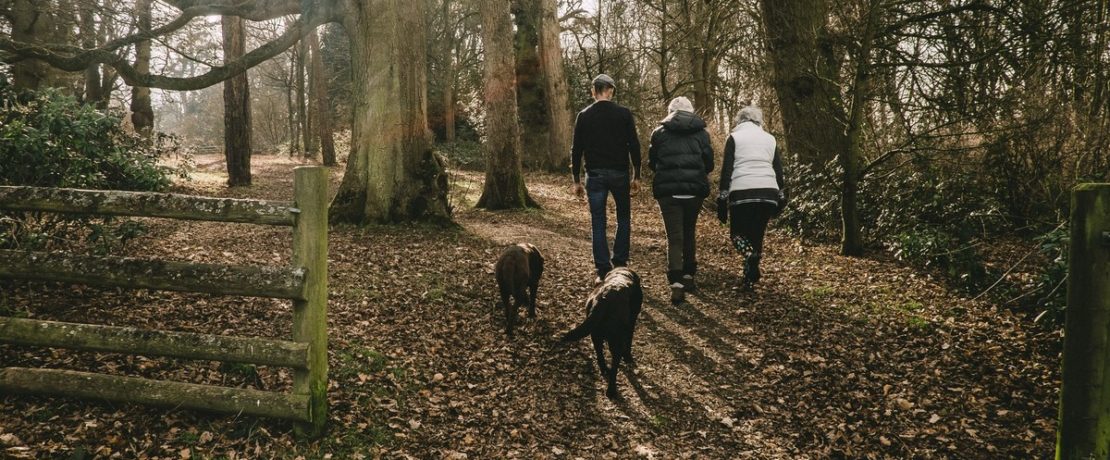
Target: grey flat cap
[(605, 79)]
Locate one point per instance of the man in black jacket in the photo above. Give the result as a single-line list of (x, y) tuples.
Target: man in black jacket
[(682, 158), (605, 137)]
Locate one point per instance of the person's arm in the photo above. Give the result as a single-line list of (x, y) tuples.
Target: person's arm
[(576, 149), (706, 151), (777, 164), (653, 149), (633, 145), (727, 164)]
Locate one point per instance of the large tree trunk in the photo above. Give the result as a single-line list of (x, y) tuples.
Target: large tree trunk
[(805, 76), (321, 108), (142, 112), (555, 87), (237, 107), (32, 22), (504, 187), (529, 84), (392, 174)]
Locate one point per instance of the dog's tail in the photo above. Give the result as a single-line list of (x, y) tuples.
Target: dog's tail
[(592, 321)]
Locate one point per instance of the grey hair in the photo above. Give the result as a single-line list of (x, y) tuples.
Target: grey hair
[(680, 103), (750, 113)]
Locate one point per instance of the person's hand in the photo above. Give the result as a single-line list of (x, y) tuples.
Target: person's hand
[(634, 188), (579, 190)]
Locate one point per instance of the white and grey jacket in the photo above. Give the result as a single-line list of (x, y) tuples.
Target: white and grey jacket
[(752, 168)]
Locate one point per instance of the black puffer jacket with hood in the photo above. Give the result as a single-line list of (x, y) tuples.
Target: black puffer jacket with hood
[(681, 156)]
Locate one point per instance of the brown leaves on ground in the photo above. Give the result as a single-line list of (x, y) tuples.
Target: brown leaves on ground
[(832, 357)]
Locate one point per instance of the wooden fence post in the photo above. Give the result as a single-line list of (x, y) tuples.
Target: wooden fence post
[(1084, 428), (310, 321)]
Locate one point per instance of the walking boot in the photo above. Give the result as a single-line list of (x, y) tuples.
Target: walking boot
[(688, 284)]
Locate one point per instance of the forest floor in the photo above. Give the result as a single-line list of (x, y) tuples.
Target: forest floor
[(832, 357)]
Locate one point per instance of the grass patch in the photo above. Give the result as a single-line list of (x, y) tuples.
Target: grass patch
[(188, 438), (818, 293)]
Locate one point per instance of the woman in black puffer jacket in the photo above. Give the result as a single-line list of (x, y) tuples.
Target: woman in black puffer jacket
[(682, 158)]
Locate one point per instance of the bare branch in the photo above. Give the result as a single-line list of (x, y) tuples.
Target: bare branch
[(296, 30)]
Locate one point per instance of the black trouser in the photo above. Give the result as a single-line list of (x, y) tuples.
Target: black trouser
[(680, 218), (747, 225)]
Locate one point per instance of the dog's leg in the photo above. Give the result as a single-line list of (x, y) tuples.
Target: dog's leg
[(635, 304), (616, 350), (510, 317), (532, 299), (599, 348)]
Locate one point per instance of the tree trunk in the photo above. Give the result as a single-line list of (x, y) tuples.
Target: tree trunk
[(237, 107), (292, 114), (504, 186), (805, 76), (321, 107), (449, 108), (89, 40), (305, 139), (32, 23), (851, 238), (142, 112), (305, 88), (555, 87), (392, 174), (530, 96)]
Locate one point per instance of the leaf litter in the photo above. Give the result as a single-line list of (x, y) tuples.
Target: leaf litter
[(833, 357)]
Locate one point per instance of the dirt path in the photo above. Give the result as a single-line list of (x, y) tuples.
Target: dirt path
[(833, 358)]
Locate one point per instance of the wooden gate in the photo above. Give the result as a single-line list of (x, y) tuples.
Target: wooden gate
[(304, 282)]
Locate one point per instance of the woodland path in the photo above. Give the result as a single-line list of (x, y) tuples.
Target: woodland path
[(833, 357)]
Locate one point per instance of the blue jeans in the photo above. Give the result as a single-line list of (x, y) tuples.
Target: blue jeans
[(599, 184)]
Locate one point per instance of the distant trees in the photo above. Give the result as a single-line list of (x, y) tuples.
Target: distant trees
[(984, 108)]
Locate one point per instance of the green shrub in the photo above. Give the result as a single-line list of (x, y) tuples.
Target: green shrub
[(48, 139), (935, 248), (1049, 292)]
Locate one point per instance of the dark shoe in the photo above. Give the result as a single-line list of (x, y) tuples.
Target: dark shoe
[(747, 286), (751, 268), (678, 295), (688, 284)]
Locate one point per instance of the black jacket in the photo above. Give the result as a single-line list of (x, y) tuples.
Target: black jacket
[(605, 134), (681, 156)]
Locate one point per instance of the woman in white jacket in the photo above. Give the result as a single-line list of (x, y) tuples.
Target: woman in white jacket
[(751, 186)]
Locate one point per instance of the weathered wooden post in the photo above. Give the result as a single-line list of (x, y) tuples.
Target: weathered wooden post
[(310, 251), (1084, 429)]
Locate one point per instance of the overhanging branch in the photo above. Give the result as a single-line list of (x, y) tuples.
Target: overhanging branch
[(80, 61)]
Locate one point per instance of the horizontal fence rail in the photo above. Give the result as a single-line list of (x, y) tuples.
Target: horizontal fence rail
[(254, 281), (156, 392), (146, 204), (187, 345)]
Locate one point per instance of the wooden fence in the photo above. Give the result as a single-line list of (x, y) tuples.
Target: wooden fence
[(304, 282), (1084, 430)]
